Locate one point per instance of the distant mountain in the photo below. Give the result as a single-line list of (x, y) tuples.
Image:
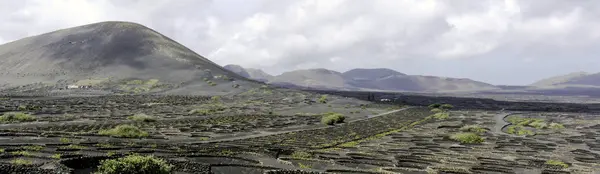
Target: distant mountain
[(252, 73), (373, 79), (320, 78), (572, 78), (111, 56), (362, 74)]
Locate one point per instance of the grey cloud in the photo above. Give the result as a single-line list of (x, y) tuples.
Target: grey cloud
[(463, 38)]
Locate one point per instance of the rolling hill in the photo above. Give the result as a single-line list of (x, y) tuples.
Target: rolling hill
[(370, 79), (110, 56), (571, 78)]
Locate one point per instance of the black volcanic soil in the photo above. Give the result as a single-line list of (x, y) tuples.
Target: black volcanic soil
[(265, 130)]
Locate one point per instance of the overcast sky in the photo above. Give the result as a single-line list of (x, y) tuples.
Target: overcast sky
[(513, 42)]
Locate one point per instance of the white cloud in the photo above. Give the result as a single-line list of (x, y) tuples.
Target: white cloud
[(279, 35)]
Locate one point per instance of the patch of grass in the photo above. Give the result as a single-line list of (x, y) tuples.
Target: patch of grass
[(441, 115), (56, 156), (142, 118), (2, 150), (211, 83), (518, 130), (332, 118), (134, 164), (209, 109), (538, 124), (21, 153), (33, 148), (226, 152), (65, 140), (349, 144), (20, 161), (467, 138), (323, 99), (304, 166), (556, 126), (525, 132), (557, 163), (301, 155), (16, 117), (110, 153), (473, 128), (127, 131)]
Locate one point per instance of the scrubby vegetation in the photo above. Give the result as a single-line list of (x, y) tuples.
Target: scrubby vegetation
[(127, 131), (557, 163), (441, 115), (332, 118), (20, 161), (467, 138), (16, 117), (134, 164), (323, 99), (142, 118)]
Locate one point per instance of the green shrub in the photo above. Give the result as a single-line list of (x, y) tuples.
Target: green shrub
[(142, 118), (21, 153), (538, 124), (556, 126), (331, 118), (33, 148), (473, 128), (16, 117), (65, 140), (323, 99), (134, 164), (127, 131), (20, 161), (435, 105), (525, 132), (557, 163), (467, 138), (56, 156), (441, 115)]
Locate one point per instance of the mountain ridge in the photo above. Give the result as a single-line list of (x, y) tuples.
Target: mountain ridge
[(374, 79)]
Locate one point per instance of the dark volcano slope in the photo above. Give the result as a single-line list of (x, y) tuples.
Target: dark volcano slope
[(109, 51)]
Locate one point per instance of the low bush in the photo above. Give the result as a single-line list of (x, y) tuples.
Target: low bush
[(556, 126), (467, 138), (323, 99), (21, 153), (332, 118), (127, 131), (56, 156), (33, 148), (441, 115), (473, 128), (557, 163), (16, 117), (134, 164), (142, 118), (20, 161)]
